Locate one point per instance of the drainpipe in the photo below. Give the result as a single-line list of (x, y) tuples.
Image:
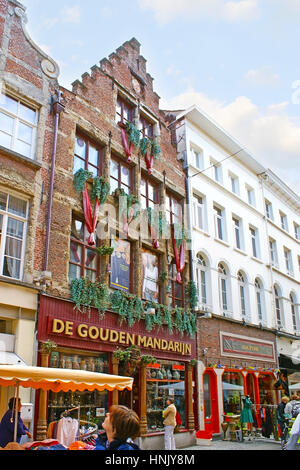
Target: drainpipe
[(57, 108)]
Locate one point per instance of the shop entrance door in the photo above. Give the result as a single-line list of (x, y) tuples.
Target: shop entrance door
[(210, 396)]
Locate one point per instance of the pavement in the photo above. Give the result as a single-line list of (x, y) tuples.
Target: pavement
[(257, 444)]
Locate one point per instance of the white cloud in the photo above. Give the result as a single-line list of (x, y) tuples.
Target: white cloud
[(231, 11), (71, 14), (270, 134), (262, 76)]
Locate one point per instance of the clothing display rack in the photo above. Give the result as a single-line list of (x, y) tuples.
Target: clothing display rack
[(82, 435)]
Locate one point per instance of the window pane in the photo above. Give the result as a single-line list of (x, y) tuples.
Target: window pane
[(91, 275), (93, 170), (74, 271), (11, 267), (23, 149), (80, 147), (77, 229), (75, 253), (91, 259), (5, 140), (113, 185), (17, 206), (6, 123), (151, 192), (15, 228), (78, 164), (150, 276), (13, 247), (125, 187), (114, 169), (3, 199), (143, 187), (125, 176), (93, 156), (27, 113), (25, 133), (9, 104)]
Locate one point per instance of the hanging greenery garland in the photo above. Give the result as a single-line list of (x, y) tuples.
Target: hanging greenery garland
[(191, 293), (145, 145), (80, 178), (178, 321), (133, 134), (100, 189)]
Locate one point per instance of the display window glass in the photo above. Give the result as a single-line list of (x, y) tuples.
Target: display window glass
[(93, 405), (164, 380), (267, 391), (233, 390)]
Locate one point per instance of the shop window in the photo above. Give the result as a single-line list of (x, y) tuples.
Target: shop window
[(146, 127), (120, 262), (233, 390), (120, 176), (149, 194), (84, 259), (93, 405), (124, 111), (150, 265), (87, 156), (175, 289), (18, 124), (164, 379), (267, 391), (13, 222)]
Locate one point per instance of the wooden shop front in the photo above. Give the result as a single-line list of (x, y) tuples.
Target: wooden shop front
[(90, 342)]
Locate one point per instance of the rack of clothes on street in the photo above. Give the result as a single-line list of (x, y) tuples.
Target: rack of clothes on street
[(69, 430), (268, 417)]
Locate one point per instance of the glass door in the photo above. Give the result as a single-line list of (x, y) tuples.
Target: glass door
[(211, 410)]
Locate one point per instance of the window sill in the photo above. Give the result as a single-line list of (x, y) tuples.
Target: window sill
[(17, 156), (201, 230), (257, 259), (241, 252), (223, 242)]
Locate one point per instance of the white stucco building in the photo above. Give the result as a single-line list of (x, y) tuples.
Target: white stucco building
[(245, 226)]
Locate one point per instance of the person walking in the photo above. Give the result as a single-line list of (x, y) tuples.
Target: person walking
[(169, 415), (7, 425), (122, 427), (282, 418), (293, 407)]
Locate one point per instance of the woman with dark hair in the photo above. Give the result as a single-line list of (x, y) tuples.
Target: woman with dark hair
[(122, 426), (7, 425)]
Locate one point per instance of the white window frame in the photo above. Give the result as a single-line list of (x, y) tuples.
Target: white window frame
[(234, 183), (269, 210), (273, 252), (220, 222), (251, 196), (283, 221), (224, 288), (297, 231), (254, 236), (288, 261), (294, 311), (199, 212), (238, 232), (17, 119), (278, 306), (5, 215), (260, 301), (217, 171)]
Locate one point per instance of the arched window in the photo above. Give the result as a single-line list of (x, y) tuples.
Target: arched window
[(223, 288), (294, 311), (202, 279), (259, 300), (278, 306)]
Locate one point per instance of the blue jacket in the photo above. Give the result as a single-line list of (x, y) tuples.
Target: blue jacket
[(7, 427), (115, 445)]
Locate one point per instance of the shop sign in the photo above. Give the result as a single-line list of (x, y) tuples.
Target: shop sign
[(84, 331), (242, 346)]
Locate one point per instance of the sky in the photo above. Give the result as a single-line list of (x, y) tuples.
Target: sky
[(237, 60)]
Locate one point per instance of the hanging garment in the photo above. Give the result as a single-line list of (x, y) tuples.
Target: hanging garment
[(67, 431), (267, 422)]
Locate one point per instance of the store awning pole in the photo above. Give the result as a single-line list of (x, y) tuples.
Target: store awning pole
[(16, 410)]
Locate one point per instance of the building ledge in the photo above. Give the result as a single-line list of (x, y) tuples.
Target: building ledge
[(20, 158)]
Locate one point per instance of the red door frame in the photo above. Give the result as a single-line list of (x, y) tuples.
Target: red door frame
[(212, 424)]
